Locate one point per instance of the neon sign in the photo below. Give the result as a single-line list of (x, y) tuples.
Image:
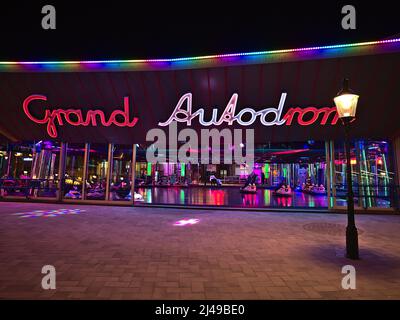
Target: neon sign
[(229, 116), (75, 117), (122, 118)]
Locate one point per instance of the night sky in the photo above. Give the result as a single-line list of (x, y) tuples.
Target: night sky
[(115, 30)]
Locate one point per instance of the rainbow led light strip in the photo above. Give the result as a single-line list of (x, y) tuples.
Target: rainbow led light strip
[(204, 61)]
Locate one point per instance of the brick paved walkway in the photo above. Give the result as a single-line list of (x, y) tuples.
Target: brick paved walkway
[(137, 253)]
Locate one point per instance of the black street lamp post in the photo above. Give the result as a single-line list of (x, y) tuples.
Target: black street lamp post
[(346, 104)]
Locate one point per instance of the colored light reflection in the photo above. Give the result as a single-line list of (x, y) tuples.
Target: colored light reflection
[(284, 201), (48, 213), (148, 196), (266, 170), (267, 197), (149, 168), (250, 200), (284, 172), (185, 222), (182, 196), (218, 197)]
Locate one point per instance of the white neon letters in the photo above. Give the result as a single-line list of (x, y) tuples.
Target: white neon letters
[(180, 114)]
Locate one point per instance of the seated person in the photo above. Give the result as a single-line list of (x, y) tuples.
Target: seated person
[(251, 179), (213, 180)]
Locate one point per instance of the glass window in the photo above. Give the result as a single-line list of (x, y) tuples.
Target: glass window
[(372, 174), (21, 161), (46, 158), (121, 176), (30, 169), (283, 175), (74, 171), (96, 182), (4, 156), (339, 173), (376, 174), (18, 163)]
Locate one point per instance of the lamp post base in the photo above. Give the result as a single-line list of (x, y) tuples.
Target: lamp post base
[(352, 243)]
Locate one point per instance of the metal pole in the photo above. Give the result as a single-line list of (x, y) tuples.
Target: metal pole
[(351, 230), (110, 160), (9, 163), (85, 170), (133, 173), (61, 170), (328, 173)]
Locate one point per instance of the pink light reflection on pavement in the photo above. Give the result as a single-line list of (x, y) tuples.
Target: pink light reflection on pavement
[(185, 222)]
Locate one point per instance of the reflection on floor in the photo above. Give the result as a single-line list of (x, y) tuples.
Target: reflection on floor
[(48, 213), (230, 196)]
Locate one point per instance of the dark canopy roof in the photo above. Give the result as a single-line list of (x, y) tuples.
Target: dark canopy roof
[(154, 94)]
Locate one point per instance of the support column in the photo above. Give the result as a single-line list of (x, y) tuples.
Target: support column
[(133, 168), (333, 170), (9, 163), (396, 151), (61, 170), (85, 169), (109, 169), (328, 173)]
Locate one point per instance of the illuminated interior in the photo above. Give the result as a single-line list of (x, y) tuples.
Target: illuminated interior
[(312, 171)]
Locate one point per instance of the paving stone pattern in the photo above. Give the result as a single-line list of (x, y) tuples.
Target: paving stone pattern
[(102, 252)]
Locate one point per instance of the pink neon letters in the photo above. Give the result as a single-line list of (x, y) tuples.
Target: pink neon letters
[(75, 117)]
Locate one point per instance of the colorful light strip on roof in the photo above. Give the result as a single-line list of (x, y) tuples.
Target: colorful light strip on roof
[(202, 61)]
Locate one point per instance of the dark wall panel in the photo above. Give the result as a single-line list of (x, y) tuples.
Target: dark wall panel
[(154, 94)]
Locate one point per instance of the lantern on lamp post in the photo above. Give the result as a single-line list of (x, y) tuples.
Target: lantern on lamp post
[(346, 105)]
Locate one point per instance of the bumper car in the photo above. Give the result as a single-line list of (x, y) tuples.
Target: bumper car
[(138, 197), (284, 191), (251, 188), (96, 194), (72, 194), (318, 190), (307, 187), (163, 181), (127, 196), (122, 194), (298, 189)]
